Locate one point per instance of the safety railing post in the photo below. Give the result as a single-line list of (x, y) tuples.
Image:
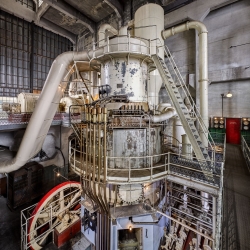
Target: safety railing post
[(168, 162), (151, 166), (129, 170), (108, 44), (129, 42)]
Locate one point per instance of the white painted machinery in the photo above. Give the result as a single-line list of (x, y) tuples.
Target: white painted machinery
[(139, 192)]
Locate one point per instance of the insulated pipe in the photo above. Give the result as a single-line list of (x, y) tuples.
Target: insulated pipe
[(203, 65), (102, 32), (46, 107), (165, 115)]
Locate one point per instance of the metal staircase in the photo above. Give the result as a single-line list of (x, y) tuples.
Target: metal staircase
[(184, 115)]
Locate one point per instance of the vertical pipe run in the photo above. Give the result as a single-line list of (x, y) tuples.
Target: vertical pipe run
[(203, 66), (203, 82), (94, 151), (214, 216), (86, 147)]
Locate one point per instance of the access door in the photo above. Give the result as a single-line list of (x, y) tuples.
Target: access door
[(233, 130)]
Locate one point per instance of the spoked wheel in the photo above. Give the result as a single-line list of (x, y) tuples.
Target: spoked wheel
[(58, 209)]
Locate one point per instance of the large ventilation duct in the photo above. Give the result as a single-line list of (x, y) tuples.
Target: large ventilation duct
[(46, 107), (203, 65)]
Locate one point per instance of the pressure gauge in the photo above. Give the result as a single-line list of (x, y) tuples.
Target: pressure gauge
[(245, 127)]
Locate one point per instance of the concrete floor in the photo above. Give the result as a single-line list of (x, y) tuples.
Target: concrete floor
[(236, 208)]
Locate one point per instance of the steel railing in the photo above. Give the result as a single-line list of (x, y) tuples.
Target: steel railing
[(24, 118), (150, 168), (245, 143), (47, 226)]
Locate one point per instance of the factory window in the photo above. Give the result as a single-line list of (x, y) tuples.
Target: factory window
[(26, 54)]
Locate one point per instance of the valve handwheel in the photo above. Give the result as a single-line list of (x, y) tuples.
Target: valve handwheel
[(57, 209)]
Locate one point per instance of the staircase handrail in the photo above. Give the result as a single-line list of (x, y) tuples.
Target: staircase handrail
[(194, 108)]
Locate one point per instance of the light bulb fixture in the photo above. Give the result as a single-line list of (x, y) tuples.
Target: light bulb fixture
[(229, 94), (130, 228), (58, 174)]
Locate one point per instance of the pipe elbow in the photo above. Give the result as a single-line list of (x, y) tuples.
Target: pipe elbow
[(64, 58), (109, 28), (199, 26), (102, 31), (167, 114)]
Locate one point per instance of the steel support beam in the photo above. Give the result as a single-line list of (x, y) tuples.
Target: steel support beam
[(118, 8), (57, 29), (70, 11), (41, 10), (204, 187), (19, 10)]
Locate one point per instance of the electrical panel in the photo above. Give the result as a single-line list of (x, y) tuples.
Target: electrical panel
[(218, 122), (245, 124)]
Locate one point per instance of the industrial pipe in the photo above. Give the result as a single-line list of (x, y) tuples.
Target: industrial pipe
[(46, 108), (166, 114), (203, 65), (102, 32)]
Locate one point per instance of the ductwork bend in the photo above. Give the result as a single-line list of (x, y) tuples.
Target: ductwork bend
[(102, 32), (203, 65), (166, 114), (46, 108)]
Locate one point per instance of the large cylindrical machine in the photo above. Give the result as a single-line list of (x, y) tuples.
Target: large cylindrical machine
[(118, 147), (149, 23), (126, 77)]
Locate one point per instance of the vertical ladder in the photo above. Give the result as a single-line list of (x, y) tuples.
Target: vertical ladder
[(184, 115)]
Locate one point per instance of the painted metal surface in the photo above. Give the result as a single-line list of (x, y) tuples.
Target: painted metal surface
[(102, 33), (149, 22), (134, 143), (233, 130), (126, 77), (27, 101), (178, 130)]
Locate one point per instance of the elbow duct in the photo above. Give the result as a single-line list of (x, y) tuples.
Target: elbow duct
[(165, 115), (46, 107), (102, 32)]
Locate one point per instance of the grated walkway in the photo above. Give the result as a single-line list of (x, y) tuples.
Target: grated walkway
[(236, 205)]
